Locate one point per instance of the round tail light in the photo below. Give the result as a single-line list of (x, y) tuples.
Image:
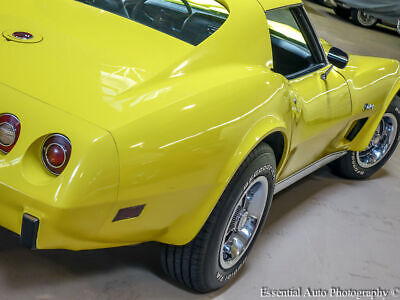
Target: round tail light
[(56, 152), (10, 128)]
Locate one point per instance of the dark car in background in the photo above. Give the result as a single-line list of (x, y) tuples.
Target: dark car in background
[(368, 13), (327, 3)]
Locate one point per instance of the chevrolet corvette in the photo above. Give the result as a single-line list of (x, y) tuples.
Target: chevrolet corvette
[(176, 121)]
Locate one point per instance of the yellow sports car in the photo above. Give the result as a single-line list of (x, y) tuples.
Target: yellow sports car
[(176, 121)]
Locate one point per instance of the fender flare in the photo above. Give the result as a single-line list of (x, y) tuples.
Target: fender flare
[(365, 135), (178, 233)]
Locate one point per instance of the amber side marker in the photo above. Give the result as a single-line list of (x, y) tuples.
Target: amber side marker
[(129, 213)]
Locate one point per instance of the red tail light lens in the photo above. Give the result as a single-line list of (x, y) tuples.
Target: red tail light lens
[(10, 128), (56, 152)]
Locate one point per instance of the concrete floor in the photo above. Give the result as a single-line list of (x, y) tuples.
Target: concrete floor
[(379, 41), (322, 232)]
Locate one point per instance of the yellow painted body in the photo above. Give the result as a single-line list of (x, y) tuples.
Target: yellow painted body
[(155, 121)]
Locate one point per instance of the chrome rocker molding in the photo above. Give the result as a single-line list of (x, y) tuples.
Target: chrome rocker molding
[(285, 183)]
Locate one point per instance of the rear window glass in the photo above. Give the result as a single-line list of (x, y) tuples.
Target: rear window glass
[(191, 21)]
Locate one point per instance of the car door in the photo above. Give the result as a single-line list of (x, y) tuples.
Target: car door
[(321, 106)]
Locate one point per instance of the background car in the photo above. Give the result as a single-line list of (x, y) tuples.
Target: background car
[(369, 13), (327, 3)]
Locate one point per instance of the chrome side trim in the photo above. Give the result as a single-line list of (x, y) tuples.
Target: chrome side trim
[(285, 183)]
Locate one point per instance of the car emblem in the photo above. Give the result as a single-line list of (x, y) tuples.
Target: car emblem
[(22, 35), (368, 107)]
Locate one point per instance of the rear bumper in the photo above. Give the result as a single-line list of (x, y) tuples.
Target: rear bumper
[(43, 226), (83, 208), (73, 208)]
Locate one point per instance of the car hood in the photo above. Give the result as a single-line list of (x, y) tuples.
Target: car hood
[(84, 60)]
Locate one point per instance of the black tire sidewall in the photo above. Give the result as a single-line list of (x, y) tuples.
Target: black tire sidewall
[(263, 165)]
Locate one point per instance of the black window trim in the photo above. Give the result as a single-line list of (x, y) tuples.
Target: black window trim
[(188, 6), (311, 37)]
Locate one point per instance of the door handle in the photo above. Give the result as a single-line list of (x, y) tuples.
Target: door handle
[(295, 108)]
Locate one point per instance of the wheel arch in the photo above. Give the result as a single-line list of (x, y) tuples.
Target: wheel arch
[(278, 143), (275, 134)]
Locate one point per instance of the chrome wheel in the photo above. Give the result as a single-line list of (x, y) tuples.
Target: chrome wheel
[(365, 19), (243, 223), (381, 143)]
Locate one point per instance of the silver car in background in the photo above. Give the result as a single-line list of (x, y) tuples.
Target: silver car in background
[(368, 13)]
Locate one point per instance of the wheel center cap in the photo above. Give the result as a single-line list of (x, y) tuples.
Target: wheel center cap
[(376, 139), (243, 219)]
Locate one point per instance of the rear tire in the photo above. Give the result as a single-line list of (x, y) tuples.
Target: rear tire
[(360, 18), (218, 252), (363, 164)]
